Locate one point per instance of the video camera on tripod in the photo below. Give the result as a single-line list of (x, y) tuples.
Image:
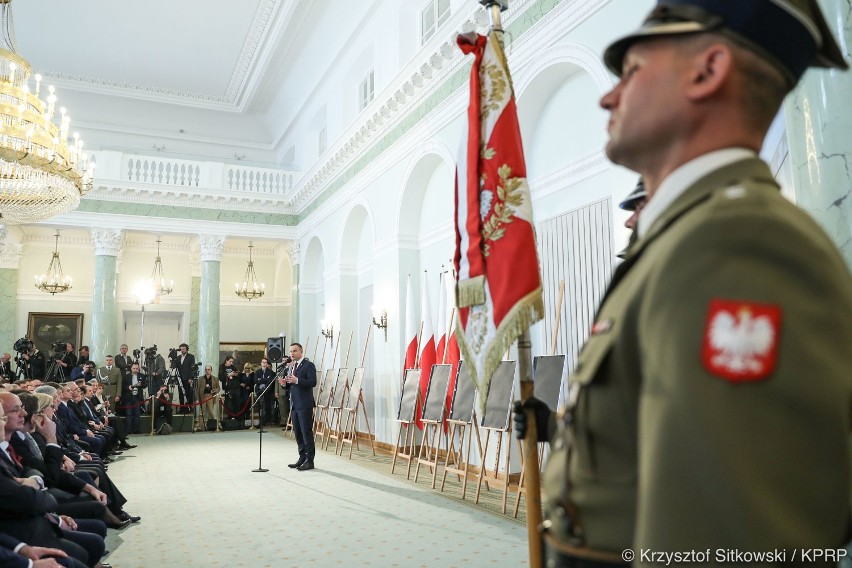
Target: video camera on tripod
[(58, 348), (23, 345)]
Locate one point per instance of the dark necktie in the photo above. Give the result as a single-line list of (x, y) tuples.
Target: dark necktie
[(15, 457)]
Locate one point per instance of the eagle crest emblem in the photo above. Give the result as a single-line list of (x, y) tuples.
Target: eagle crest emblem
[(741, 340)]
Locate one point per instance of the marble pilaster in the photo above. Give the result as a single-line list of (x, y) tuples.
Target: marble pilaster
[(819, 119), (10, 257), (211, 248), (294, 306), (103, 339), (194, 302)]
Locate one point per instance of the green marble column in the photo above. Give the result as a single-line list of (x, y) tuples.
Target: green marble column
[(103, 339), (211, 248), (194, 299), (294, 294), (819, 119), (10, 257), (8, 307)]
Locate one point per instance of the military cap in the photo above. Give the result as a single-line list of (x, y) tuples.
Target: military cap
[(632, 200), (791, 34)]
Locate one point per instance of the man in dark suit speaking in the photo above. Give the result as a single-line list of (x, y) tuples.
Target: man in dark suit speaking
[(302, 379)]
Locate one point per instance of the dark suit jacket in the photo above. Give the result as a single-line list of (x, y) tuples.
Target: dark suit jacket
[(302, 393), (50, 466), (187, 368), (69, 419), (22, 509), (8, 557), (123, 363)]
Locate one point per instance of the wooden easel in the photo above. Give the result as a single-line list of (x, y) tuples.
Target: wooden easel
[(492, 477), (433, 422), (462, 416), (335, 402), (522, 488), (349, 407), (404, 448), (323, 394)]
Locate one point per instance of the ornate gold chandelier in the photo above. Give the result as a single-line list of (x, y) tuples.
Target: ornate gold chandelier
[(250, 288), (54, 281), (42, 173)]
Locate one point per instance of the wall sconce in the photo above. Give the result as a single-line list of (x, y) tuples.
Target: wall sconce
[(327, 331), (383, 321)]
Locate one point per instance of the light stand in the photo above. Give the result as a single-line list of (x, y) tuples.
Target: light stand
[(145, 294)]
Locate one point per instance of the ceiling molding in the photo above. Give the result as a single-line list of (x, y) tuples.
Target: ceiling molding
[(253, 48)]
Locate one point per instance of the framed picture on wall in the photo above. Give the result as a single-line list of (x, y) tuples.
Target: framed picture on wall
[(46, 329), (247, 352)]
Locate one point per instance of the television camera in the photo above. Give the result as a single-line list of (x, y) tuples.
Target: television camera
[(23, 345)]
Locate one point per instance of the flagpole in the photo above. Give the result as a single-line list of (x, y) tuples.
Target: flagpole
[(531, 466)]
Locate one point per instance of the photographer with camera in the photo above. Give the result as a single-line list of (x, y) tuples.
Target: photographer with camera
[(162, 409), (230, 380), (67, 360), (154, 366), (188, 370), (29, 359), (208, 388), (264, 377), (132, 394)]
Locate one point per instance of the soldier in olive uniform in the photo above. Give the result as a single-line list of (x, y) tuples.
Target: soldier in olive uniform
[(710, 407), (110, 377)]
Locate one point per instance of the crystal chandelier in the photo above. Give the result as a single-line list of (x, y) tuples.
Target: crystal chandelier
[(249, 288), (162, 287), (42, 173), (54, 281)]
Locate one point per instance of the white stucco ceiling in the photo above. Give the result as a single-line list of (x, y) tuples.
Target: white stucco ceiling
[(188, 48)]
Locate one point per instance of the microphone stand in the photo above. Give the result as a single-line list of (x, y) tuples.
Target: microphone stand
[(260, 468)]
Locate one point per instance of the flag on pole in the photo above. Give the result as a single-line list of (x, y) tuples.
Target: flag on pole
[(441, 329), (427, 347), (451, 351), (410, 329), (498, 289)]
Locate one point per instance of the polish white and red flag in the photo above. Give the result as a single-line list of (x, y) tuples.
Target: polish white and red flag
[(498, 283), (442, 321), (427, 348), (451, 353), (411, 329)]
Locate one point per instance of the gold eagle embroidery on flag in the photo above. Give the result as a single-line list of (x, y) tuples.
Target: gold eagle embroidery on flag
[(503, 208)]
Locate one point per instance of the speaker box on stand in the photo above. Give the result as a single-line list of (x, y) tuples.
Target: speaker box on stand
[(275, 349)]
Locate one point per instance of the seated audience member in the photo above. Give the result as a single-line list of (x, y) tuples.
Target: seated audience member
[(17, 554), (27, 511)]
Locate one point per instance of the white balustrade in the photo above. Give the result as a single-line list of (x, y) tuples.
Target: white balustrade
[(118, 168)]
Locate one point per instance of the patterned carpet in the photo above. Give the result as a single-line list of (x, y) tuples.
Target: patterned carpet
[(201, 505)]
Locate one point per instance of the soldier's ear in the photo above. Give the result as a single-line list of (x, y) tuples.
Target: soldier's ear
[(709, 71)]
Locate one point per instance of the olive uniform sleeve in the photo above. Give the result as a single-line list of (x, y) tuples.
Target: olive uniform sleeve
[(759, 464)]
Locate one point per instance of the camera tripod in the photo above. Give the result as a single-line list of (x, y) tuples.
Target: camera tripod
[(23, 370), (54, 371)]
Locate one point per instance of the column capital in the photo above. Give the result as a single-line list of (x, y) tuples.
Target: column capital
[(211, 247), (294, 253), (107, 241), (10, 251)]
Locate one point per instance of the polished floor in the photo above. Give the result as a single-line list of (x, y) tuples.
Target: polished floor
[(203, 506)]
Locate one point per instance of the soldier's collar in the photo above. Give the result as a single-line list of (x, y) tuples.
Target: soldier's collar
[(684, 177)]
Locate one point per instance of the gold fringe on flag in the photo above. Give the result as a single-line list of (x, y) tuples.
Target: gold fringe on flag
[(470, 292), (525, 313)]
